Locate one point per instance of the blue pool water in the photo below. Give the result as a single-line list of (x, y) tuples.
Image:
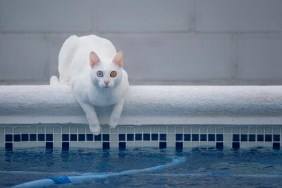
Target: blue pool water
[(145, 167)]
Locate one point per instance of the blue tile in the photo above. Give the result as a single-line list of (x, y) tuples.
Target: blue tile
[(187, 137), (236, 137), (155, 137), (276, 146), (98, 137), (179, 137), (17, 138), (41, 137), (49, 145), (211, 137), (8, 138), (65, 137), (81, 137), (122, 145), (276, 137), (121, 137), (8, 146), (244, 137), (179, 146), (260, 138), (65, 146), (24, 137), (49, 137), (146, 137), (73, 137), (33, 137), (89, 137), (106, 145), (130, 137), (106, 137), (203, 137), (252, 137), (162, 145), (195, 137), (138, 137), (236, 145), (162, 137), (219, 137), (219, 145), (268, 138)]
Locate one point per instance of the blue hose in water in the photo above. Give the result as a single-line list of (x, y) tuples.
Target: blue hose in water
[(88, 177)]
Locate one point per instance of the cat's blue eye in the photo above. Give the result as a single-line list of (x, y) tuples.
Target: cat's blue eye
[(100, 74)]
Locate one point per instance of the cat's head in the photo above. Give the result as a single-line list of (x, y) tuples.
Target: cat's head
[(108, 73)]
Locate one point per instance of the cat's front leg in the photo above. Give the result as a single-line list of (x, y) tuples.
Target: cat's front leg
[(115, 116), (92, 118)]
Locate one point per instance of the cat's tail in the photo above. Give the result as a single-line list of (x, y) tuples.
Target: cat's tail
[(65, 58), (54, 81)]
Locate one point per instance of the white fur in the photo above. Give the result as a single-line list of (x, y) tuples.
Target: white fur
[(89, 89)]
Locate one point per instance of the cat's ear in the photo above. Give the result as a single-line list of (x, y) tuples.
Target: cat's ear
[(94, 59), (118, 60)]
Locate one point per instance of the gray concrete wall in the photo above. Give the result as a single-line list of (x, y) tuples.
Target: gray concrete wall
[(164, 41)]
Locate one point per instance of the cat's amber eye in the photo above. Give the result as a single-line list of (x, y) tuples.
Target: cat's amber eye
[(113, 74), (100, 74)]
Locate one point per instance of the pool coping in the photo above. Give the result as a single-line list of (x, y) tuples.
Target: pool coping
[(148, 105)]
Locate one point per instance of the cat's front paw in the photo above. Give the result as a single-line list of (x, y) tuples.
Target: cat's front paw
[(113, 122), (95, 129)]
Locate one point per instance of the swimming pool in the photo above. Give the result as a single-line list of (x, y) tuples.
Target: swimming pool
[(132, 155), (169, 135), (258, 167)]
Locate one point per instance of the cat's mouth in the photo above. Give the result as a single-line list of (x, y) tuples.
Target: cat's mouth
[(104, 86)]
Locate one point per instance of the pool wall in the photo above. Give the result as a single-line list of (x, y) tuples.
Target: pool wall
[(182, 117)]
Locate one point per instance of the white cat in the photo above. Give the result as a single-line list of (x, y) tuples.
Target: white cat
[(95, 71)]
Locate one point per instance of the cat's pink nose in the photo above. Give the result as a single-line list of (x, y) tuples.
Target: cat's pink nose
[(106, 82)]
